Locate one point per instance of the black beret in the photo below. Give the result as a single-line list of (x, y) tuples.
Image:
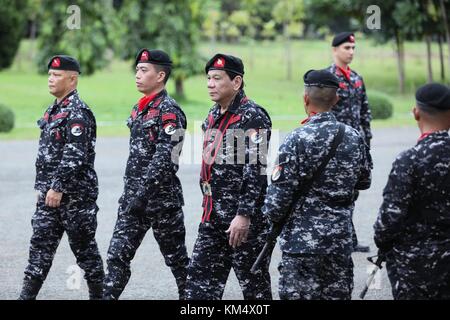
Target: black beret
[(154, 57), (434, 95), (321, 79), (62, 62), (343, 37), (225, 62)]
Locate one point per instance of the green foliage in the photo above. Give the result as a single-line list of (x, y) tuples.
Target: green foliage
[(380, 106), (98, 32), (172, 26), (6, 119), (288, 11), (12, 27)]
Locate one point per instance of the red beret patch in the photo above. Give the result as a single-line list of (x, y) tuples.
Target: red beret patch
[(351, 38), (145, 56), (56, 63), (220, 63)]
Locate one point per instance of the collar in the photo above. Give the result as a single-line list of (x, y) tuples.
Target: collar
[(345, 72), (320, 117), (306, 120), (145, 100), (437, 134), (342, 72), (65, 101), (238, 100)]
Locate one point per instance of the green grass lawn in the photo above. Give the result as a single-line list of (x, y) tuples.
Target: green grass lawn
[(111, 92)]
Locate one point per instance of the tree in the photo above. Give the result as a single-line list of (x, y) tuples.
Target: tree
[(445, 8), (260, 12), (401, 20), (85, 31), (288, 13), (12, 29), (210, 24), (173, 26), (431, 27), (336, 16)]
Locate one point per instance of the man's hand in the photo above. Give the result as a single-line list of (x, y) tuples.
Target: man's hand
[(53, 199), (238, 230), (137, 209)]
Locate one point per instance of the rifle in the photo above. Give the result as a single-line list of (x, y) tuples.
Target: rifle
[(277, 227), (378, 266)]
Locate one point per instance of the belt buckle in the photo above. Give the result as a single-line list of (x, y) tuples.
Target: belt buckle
[(206, 189)]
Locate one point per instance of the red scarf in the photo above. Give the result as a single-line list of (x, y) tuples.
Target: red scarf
[(145, 100), (346, 73)]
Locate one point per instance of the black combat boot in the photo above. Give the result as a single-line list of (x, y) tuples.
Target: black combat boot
[(180, 275), (95, 290), (30, 289)]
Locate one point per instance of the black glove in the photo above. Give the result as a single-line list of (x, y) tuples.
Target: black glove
[(137, 207)]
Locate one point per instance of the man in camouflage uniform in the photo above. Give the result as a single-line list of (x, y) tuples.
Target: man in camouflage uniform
[(66, 183), (413, 226), (316, 240), (152, 196), (352, 107), (233, 181)]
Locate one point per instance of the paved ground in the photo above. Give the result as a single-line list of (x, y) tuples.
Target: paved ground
[(151, 279)]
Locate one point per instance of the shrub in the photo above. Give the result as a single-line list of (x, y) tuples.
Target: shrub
[(380, 106), (6, 119)]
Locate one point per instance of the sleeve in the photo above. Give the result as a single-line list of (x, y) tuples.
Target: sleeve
[(79, 134), (285, 180), (169, 143), (254, 181), (366, 115), (397, 196), (365, 176)]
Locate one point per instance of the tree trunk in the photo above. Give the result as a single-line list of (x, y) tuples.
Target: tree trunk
[(252, 53), (441, 58), (447, 28), (33, 33), (400, 50), (179, 89), (429, 65), (288, 51)]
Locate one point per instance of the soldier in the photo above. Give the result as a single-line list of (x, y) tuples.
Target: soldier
[(316, 241), (233, 181), (66, 183), (152, 196), (413, 225), (352, 107)]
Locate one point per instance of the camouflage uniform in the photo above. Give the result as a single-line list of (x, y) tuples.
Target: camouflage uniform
[(65, 163), (155, 143), (237, 188), (353, 109), (317, 239), (413, 224)]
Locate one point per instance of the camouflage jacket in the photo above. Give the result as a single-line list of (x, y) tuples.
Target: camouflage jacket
[(156, 138), (323, 224), (353, 106), (66, 155), (416, 200), (238, 177)]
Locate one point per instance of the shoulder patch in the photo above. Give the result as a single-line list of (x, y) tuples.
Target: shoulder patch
[(170, 128), (169, 116), (77, 130), (276, 173)]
